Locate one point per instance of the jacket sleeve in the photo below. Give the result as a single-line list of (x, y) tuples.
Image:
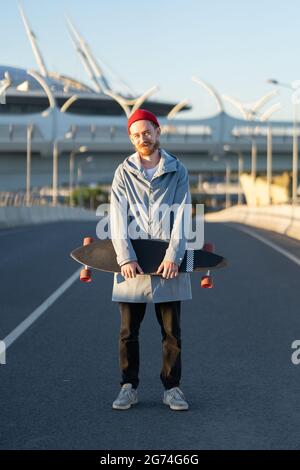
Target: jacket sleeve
[(119, 220), (182, 217)]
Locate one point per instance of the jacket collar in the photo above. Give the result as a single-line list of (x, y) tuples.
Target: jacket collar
[(167, 163)]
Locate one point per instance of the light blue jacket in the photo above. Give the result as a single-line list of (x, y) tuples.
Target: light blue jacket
[(169, 185)]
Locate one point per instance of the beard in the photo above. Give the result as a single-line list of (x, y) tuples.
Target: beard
[(147, 150)]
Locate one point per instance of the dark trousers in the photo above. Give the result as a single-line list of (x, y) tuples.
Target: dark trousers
[(168, 316)]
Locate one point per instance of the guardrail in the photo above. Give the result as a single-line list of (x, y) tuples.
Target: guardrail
[(18, 199), (13, 216), (284, 218)]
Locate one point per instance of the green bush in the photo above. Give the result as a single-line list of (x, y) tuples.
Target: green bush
[(89, 198)]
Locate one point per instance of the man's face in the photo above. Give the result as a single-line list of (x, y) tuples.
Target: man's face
[(144, 137)]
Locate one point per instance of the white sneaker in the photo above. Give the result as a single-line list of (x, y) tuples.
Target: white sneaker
[(126, 398), (175, 399)]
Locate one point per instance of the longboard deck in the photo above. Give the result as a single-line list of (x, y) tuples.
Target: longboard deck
[(101, 255)]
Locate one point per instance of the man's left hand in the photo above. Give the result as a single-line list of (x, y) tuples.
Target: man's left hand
[(168, 269)]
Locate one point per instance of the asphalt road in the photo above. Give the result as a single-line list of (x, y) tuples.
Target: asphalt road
[(61, 375)]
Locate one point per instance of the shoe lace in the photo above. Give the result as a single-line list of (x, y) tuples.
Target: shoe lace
[(177, 393), (125, 392)]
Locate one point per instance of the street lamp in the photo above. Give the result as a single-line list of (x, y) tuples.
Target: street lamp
[(228, 148), (56, 143), (81, 149), (54, 110), (4, 85), (295, 139), (79, 176), (79, 169), (263, 118), (28, 163), (216, 158), (228, 172)]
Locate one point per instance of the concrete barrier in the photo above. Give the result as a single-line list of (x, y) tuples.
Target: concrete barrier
[(15, 216), (283, 218)]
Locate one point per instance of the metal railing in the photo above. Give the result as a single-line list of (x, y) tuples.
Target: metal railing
[(17, 199)]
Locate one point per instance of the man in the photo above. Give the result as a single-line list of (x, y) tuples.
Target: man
[(147, 180)]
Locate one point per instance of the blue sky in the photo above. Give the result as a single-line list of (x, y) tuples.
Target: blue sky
[(233, 45)]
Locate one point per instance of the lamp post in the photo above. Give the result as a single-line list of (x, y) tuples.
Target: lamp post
[(54, 110), (55, 172), (263, 118), (216, 158), (81, 149), (28, 163), (79, 169), (295, 139), (228, 172), (56, 143), (228, 148), (79, 177), (4, 85)]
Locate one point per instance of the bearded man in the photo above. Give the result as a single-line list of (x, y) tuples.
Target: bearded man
[(147, 180)]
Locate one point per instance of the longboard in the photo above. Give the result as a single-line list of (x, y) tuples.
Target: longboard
[(101, 255)]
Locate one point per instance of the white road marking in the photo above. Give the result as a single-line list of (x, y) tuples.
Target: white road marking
[(24, 325), (264, 240)]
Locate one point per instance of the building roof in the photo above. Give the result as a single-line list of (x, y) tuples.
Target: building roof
[(57, 83)]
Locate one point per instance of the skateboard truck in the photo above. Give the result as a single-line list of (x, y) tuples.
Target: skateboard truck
[(86, 274), (207, 281)]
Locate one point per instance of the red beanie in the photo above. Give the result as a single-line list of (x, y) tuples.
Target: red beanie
[(141, 114)]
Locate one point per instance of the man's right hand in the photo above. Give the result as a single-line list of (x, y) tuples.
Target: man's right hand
[(129, 270)]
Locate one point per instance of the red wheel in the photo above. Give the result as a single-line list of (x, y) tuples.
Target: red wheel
[(207, 282), (87, 240), (85, 275), (209, 247)]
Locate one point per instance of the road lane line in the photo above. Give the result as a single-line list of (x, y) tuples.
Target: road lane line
[(24, 325), (275, 247)]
